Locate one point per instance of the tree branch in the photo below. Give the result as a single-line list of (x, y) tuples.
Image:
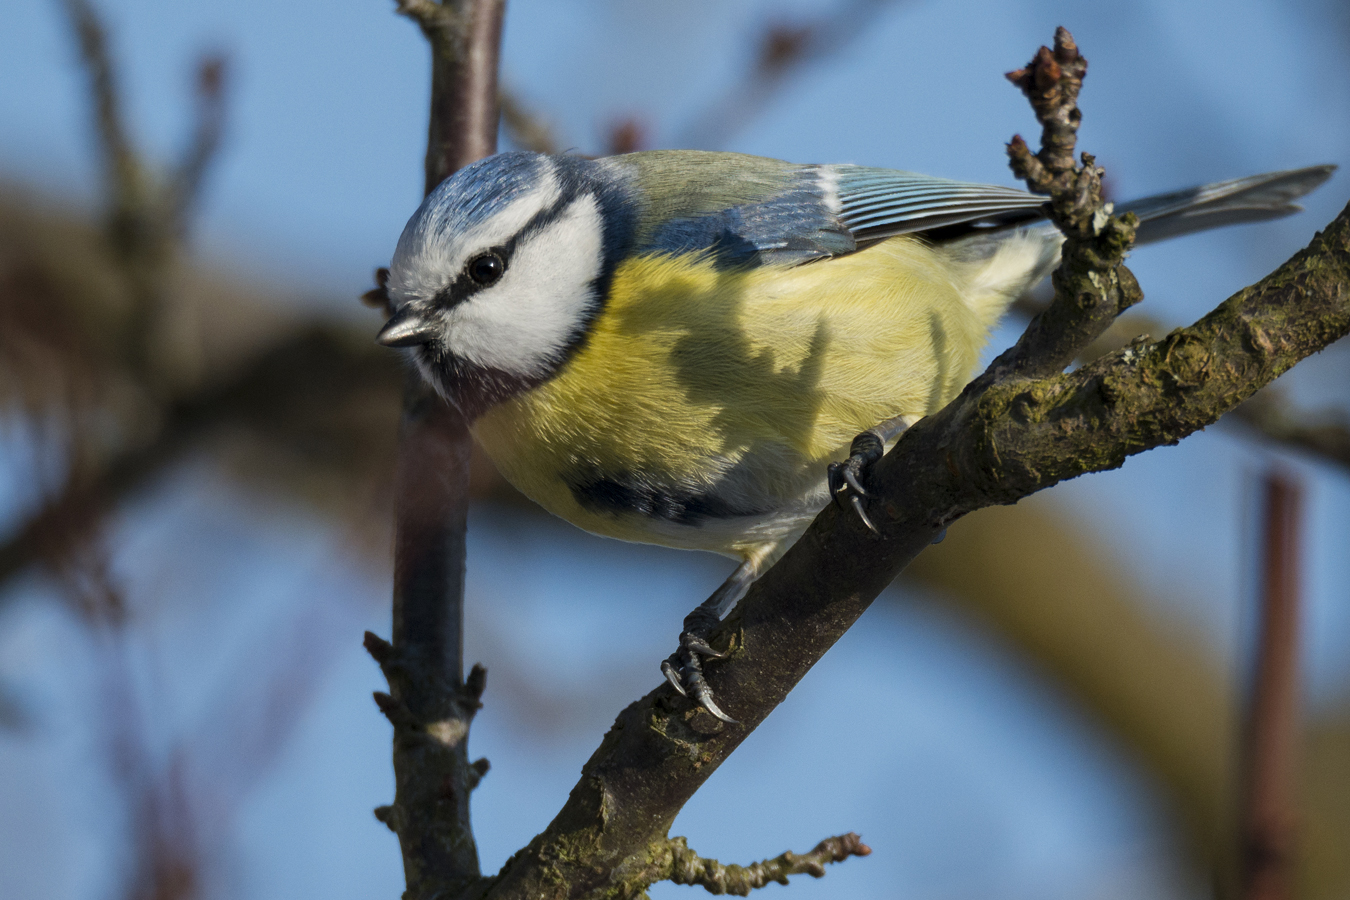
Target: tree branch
[(185, 182), (1325, 433), (315, 365), (1020, 427), (672, 860), (783, 49), (524, 127), (431, 705), (1268, 847)]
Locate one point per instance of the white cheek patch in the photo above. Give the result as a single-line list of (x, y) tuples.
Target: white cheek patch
[(428, 258), (523, 322)]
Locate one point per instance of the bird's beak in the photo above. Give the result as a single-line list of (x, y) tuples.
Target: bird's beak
[(406, 328)]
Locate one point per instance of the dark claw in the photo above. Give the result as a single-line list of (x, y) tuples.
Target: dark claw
[(705, 700), (673, 677), (700, 646), (862, 514), (845, 478), (854, 483), (684, 670)]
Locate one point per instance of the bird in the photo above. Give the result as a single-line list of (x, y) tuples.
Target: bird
[(678, 347)]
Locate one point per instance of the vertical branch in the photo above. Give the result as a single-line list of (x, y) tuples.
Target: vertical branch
[(430, 703), (1267, 851), (465, 38)]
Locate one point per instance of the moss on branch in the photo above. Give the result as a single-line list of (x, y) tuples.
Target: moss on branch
[(1020, 427)]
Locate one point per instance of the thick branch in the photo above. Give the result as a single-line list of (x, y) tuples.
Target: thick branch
[(990, 447), (1020, 427)]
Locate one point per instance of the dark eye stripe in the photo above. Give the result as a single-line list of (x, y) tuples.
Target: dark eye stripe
[(465, 285)]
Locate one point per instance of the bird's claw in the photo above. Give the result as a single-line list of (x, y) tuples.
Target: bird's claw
[(845, 478), (684, 671)]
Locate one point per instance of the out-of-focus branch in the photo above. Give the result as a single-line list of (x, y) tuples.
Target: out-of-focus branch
[(1020, 427), (124, 176), (524, 127), (316, 367), (148, 213), (465, 38), (783, 49), (1270, 762), (1324, 434), (185, 183), (430, 703)]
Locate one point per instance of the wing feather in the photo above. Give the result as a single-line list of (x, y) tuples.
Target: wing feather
[(879, 203)]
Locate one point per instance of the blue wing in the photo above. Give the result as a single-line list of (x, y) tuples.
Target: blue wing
[(882, 203), (811, 212), (793, 224)]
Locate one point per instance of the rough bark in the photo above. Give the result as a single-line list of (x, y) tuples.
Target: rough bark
[(1020, 427), (430, 703)]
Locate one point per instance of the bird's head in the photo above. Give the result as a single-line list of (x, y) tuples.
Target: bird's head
[(500, 272)]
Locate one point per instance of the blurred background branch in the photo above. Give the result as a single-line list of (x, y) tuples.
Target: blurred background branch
[(294, 400), (783, 48)]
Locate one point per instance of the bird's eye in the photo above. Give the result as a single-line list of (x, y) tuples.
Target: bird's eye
[(487, 268)]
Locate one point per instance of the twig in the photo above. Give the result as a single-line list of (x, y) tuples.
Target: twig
[(124, 177), (783, 48), (1325, 434), (524, 127), (1091, 285), (677, 863), (319, 363), (431, 704), (1020, 427), (185, 183), (148, 213), (1269, 777)]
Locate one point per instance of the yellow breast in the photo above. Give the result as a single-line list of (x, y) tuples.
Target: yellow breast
[(705, 396)]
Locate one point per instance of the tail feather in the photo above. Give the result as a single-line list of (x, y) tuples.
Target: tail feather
[(1252, 199)]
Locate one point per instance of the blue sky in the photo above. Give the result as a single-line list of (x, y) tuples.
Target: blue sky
[(982, 780)]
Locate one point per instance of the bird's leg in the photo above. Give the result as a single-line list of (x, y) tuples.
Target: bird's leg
[(846, 478), (684, 668)]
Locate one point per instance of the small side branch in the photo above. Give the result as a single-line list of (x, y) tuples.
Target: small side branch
[(185, 184), (679, 864), (1324, 433), (148, 210), (1092, 287), (524, 127), (784, 48)]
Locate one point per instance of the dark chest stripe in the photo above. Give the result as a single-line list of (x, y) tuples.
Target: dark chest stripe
[(636, 494)]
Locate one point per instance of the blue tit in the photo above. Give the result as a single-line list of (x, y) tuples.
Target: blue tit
[(671, 346)]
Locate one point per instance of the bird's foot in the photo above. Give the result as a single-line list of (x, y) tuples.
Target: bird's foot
[(846, 478), (684, 668)]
